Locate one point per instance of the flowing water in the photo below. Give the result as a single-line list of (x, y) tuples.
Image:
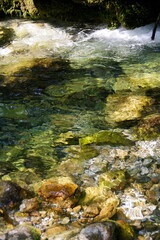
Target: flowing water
[(54, 82)]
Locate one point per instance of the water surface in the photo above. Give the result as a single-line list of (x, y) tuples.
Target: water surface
[(56, 79)]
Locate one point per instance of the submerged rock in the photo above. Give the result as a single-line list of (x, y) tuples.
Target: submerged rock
[(125, 231), (23, 232), (6, 167), (126, 107), (98, 231), (6, 36), (24, 178), (29, 205), (148, 128), (115, 180), (62, 195), (104, 201), (109, 137), (11, 194), (17, 75)]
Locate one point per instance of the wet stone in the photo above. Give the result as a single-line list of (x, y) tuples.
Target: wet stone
[(23, 232), (98, 231), (29, 205), (113, 180), (144, 171), (91, 211), (10, 194), (113, 138), (143, 179), (147, 162), (103, 201), (125, 231), (63, 195), (55, 230)]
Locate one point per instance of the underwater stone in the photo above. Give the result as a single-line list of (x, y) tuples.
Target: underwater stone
[(10, 194), (105, 231), (115, 180), (102, 199), (63, 195), (6, 167), (125, 107), (6, 36), (29, 205), (23, 232), (125, 231), (112, 138), (148, 127)]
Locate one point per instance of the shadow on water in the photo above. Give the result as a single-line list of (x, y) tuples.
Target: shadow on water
[(6, 36)]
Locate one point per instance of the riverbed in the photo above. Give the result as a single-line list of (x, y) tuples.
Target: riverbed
[(63, 84)]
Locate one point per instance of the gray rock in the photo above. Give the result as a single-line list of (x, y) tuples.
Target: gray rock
[(98, 231), (147, 162), (23, 233), (144, 171), (10, 194)]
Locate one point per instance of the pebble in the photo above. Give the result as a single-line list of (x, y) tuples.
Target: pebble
[(147, 162), (65, 220), (144, 171)]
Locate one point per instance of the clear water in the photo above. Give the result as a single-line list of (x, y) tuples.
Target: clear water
[(55, 80)]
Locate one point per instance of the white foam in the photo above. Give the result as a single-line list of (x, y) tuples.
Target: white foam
[(43, 39)]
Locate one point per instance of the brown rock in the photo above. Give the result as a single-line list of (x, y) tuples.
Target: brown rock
[(63, 195), (55, 230), (102, 199), (91, 211), (107, 211)]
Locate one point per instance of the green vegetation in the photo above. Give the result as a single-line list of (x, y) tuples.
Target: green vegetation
[(113, 13)]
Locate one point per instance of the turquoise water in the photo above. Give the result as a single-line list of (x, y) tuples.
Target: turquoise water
[(55, 80)]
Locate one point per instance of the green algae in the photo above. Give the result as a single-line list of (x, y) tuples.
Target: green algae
[(148, 128), (125, 231), (112, 138), (115, 180)]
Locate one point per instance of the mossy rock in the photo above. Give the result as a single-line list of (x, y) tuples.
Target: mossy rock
[(125, 231), (124, 106), (148, 128), (115, 180), (112, 138), (88, 152), (24, 232)]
